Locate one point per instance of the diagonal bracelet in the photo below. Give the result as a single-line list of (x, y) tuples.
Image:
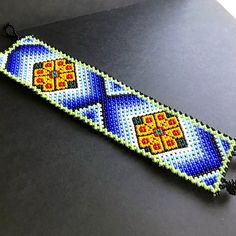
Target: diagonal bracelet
[(173, 140)]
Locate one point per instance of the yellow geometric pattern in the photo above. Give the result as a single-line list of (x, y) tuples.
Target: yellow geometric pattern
[(54, 75), (158, 133)]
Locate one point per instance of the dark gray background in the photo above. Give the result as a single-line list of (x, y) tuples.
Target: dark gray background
[(30, 13), (59, 177)]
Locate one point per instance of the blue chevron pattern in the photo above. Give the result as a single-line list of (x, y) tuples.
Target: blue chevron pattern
[(115, 107)]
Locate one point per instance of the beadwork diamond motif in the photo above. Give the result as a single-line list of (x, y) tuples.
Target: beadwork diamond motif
[(171, 139), (159, 132), (54, 75)]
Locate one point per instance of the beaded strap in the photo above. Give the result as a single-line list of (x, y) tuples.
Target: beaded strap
[(173, 140)]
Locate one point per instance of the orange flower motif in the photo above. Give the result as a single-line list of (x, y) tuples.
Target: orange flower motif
[(159, 132), (54, 75)]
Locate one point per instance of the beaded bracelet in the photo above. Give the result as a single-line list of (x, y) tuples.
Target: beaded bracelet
[(173, 140)]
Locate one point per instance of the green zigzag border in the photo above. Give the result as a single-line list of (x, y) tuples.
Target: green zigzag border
[(223, 169)]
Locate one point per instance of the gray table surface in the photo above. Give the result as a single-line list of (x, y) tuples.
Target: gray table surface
[(59, 177)]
